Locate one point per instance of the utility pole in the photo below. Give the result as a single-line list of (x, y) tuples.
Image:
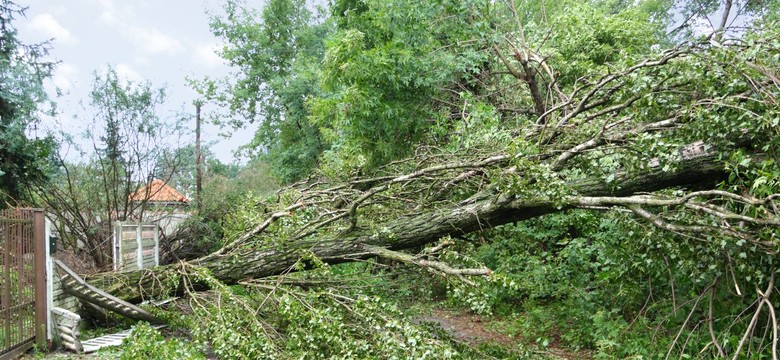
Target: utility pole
[(198, 160)]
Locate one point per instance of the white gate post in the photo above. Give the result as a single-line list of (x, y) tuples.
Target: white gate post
[(140, 250), (156, 245), (117, 248), (49, 278)]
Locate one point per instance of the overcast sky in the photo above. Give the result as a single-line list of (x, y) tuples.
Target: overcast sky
[(160, 41)]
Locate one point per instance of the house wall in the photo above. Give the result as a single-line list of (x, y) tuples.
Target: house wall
[(169, 221)]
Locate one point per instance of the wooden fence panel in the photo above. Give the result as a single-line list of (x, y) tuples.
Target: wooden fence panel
[(136, 246)]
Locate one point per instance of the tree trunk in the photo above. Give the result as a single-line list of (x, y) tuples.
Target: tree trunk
[(489, 210)]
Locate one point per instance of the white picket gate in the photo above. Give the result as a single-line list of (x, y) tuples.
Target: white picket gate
[(136, 246)]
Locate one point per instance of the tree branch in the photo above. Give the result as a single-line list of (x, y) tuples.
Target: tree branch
[(434, 265)]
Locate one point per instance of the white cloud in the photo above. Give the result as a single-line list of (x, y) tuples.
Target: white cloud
[(50, 27), (141, 60), (111, 14), (58, 10), (64, 76), (153, 41), (127, 72), (206, 55), (146, 40)]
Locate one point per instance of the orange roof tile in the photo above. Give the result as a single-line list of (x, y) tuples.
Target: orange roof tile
[(158, 191)]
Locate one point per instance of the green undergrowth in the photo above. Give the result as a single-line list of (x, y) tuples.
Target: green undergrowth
[(575, 283), (146, 342), (614, 288), (331, 312)]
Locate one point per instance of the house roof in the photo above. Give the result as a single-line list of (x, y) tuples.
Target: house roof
[(158, 191)]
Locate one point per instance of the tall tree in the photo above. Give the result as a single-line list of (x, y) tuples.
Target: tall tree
[(127, 138), (276, 53), (23, 159), (389, 71), (401, 73)]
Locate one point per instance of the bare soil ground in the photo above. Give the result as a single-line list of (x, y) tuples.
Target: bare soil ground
[(475, 330), (465, 327)]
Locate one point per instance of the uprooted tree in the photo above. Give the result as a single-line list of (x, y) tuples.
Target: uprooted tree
[(328, 223)]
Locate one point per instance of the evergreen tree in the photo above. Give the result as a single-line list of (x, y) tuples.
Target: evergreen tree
[(22, 71)]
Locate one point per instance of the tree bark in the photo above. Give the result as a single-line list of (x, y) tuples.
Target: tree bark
[(489, 210)]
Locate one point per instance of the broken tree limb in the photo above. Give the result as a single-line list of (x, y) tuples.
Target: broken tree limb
[(403, 232), (452, 193), (433, 265)]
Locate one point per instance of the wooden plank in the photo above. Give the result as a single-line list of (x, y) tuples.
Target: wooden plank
[(64, 329), (156, 245), (71, 346), (98, 297), (91, 349), (116, 339), (67, 327), (139, 256)]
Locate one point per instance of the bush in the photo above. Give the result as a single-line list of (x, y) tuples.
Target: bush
[(146, 342)]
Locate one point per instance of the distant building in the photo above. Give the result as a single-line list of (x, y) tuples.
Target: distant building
[(160, 194), (164, 206)]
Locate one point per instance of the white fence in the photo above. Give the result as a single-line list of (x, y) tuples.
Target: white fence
[(136, 246)]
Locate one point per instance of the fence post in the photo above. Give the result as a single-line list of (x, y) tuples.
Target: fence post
[(116, 245), (140, 251), (49, 279), (39, 260), (156, 245), (5, 281)]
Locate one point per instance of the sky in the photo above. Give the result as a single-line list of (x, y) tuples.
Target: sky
[(163, 42)]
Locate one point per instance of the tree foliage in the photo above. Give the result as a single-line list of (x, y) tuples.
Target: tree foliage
[(276, 53), (23, 158)]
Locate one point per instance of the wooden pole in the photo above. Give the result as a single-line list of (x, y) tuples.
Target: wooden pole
[(198, 159)]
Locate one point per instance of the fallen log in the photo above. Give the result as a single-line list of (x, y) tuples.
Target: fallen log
[(545, 171), (487, 210)]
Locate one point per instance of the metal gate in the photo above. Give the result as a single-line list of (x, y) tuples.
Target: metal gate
[(22, 281)]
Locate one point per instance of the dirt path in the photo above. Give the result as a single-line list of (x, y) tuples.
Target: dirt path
[(474, 330), (465, 327)]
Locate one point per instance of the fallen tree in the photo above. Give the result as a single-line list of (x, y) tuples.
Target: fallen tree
[(681, 146), (248, 258), (546, 167)]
